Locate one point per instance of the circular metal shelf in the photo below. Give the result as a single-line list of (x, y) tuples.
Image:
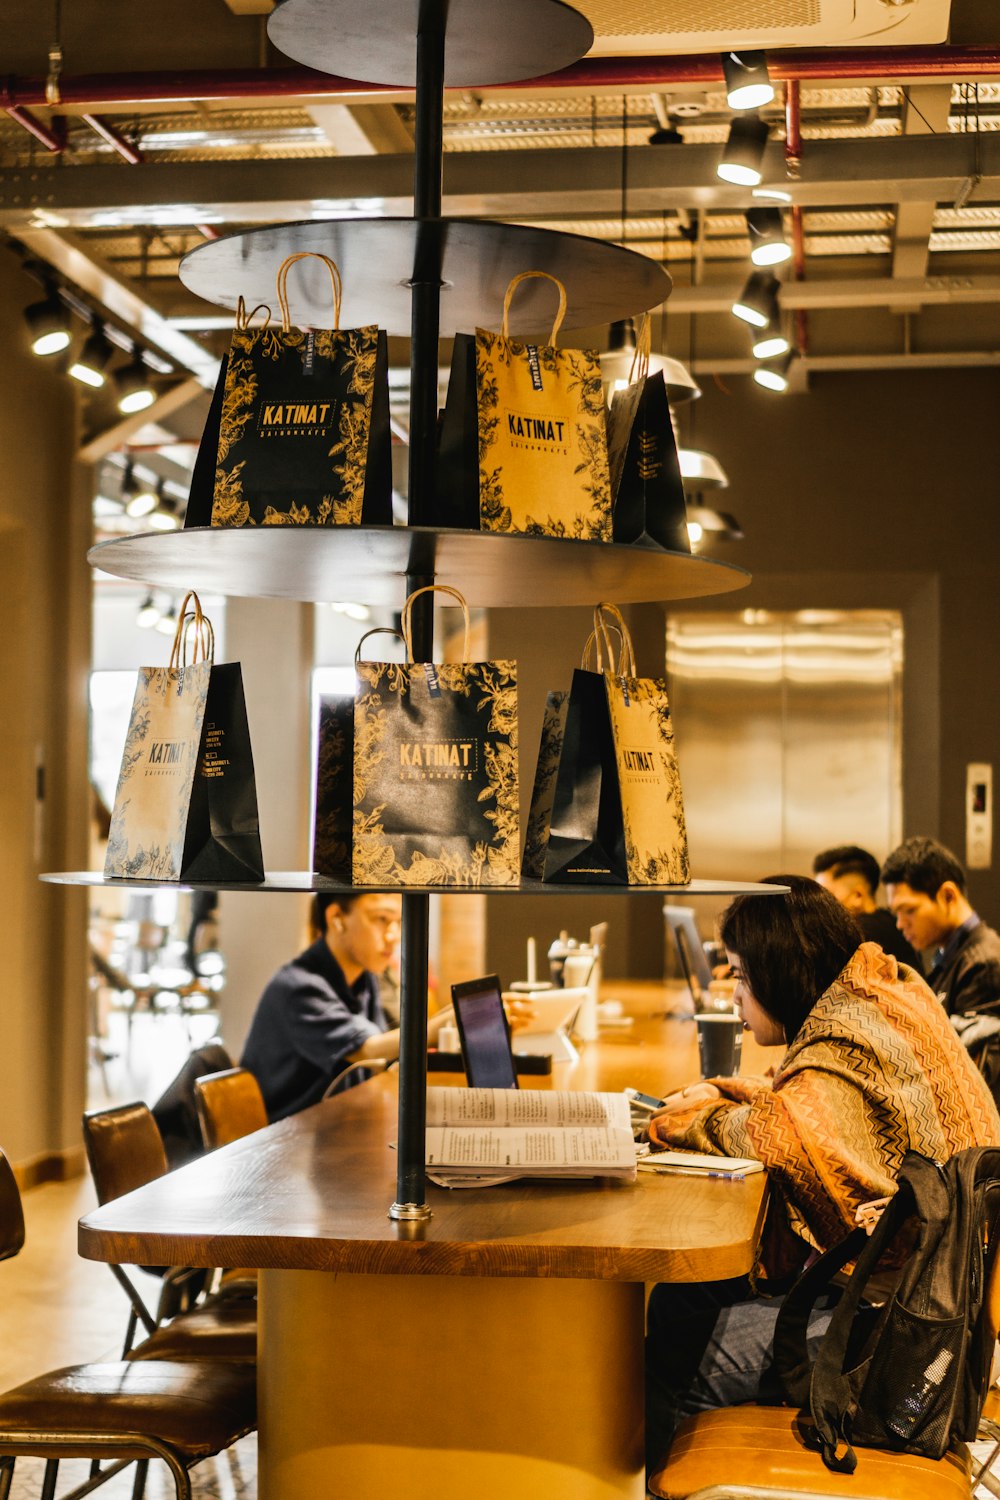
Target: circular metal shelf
[(369, 565), (379, 260), (305, 882), (484, 44)]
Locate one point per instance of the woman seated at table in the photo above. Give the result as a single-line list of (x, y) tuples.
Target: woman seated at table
[(872, 1069)]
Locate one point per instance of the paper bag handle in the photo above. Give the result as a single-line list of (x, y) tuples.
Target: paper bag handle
[(626, 659), (588, 650), (375, 630), (335, 280), (204, 636), (244, 318), (640, 359), (511, 289), (407, 618)]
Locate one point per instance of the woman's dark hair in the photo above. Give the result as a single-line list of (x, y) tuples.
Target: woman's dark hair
[(791, 947)]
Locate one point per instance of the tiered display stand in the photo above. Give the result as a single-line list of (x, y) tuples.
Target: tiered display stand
[(422, 276)]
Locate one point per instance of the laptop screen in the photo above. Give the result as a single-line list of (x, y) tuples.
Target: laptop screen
[(484, 1034), (694, 965)]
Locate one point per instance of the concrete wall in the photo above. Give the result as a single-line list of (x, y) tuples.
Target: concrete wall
[(44, 659)]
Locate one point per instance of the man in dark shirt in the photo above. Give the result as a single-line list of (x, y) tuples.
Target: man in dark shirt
[(925, 885), (321, 1012), (851, 875)]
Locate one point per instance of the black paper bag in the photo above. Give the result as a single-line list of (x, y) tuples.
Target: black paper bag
[(332, 835), (649, 508), (435, 770), (304, 426), (457, 495), (536, 838), (186, 801), (202, 491)]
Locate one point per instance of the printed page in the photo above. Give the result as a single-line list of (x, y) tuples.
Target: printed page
[(540, 1152), (509, 1108)]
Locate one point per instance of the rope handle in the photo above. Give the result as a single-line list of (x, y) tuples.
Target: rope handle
[(588, 650), (244, 318), (204, 636), (375, 630), (511, 289), (625, 665), (407, 616), (335, 281), (639, 368)]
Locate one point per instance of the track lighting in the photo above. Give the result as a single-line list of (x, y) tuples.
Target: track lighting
[(93, 359), (701, 471), (744, 152), (616, 366), (49, 324), (141, 497), (695, 532), (774, 375), (132, 382), (164, 517), (770, 342), (148, 613), (720, 523), (768, 246), (167, 623), (666, 135), (757, 304), (748, 85)]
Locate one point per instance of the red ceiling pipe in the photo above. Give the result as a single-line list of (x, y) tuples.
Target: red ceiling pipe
[(52, 138), (793, 127), (106, 90), (114, 138)]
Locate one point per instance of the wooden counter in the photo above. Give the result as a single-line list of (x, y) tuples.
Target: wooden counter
[(500, 1342)]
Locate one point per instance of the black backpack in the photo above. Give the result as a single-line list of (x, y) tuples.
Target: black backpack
[(911, 1374)]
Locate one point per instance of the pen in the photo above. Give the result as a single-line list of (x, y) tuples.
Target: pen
[(689, 1171)]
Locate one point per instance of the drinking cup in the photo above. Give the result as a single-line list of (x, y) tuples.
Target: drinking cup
[(720, 1040)]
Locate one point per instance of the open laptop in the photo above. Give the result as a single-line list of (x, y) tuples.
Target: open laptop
[(484, 1034), (694, 964)]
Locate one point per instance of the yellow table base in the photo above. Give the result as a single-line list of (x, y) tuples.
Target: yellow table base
[(438, 1387)]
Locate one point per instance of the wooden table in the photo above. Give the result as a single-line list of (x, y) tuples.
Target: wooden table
[(493, 1350)]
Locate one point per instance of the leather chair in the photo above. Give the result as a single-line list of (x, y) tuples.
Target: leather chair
[(124, 1412), (759, 1453), (125, 1152), (230, 1105)]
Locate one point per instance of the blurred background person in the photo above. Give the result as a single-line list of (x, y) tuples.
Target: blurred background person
[(851, 875)]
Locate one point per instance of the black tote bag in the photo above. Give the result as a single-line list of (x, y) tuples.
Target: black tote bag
[(304, 424), (649, 508)]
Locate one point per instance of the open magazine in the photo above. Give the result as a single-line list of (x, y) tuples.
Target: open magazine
[(478, 1137)]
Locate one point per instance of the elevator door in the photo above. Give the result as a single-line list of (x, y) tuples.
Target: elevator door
[(788, 735)]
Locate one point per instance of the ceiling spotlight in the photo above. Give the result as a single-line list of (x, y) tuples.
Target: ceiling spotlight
[(744, 152), (143, 496), (774, 376), (148, 613), (164, 517), (132, 382), (757, 304), (616, 365), (719, 522), (748, 85), (768, 246), (770, 342), (167, 623), (695, 532), (701, 471), (48, 323), (666, 135), (771, 194), (93, 359)]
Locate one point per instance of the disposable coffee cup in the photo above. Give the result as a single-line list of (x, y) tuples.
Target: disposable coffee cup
[(720, 1041)]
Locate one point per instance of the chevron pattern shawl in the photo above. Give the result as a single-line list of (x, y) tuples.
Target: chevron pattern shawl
[(875, 1070)]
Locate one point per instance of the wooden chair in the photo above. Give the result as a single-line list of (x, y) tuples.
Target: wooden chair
[(230, 1105), (759, 1453), (118, 1413), (125, 1152)]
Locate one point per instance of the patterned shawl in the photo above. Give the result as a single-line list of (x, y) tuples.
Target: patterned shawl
[(875, 1070)]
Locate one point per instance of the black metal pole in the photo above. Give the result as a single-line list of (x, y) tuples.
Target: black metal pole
[(424, 324)]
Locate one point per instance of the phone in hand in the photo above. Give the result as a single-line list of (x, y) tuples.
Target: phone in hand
[(645, 1102)]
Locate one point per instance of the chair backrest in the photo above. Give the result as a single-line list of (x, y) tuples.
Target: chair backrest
[(175, 1111), (11, 1213), (124, 1149), (230, 1105)]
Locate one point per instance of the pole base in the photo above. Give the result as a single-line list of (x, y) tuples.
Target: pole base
[(410, 1211)]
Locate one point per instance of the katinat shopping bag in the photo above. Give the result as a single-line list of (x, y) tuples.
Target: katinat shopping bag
[(333, 833), (646, 486), (186, 803), (435, 769), (304, 422), (540, 436), (617, 812)]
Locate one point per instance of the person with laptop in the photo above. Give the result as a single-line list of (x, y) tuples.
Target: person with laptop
[(321, 1012), (871, 1068), (852, 875)]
